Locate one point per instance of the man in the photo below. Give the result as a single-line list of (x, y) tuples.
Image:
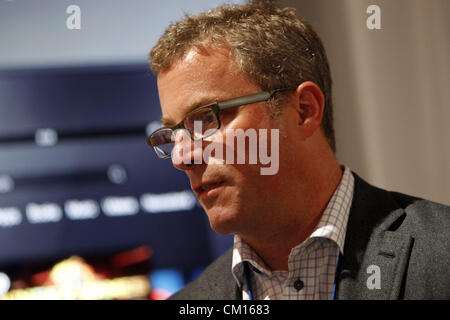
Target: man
[(312, 229)]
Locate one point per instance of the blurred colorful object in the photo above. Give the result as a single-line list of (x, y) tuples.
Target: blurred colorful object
[(165, 282), (75, 279)]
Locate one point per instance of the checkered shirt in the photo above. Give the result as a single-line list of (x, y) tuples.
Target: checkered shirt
[(312, 264)]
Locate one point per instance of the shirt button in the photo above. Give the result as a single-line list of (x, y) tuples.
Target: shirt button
[(298, 285)]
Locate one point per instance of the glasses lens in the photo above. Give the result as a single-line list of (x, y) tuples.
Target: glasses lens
[(162, 143), (201, 123)]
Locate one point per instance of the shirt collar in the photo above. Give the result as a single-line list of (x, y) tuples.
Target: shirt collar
[(332, 225)]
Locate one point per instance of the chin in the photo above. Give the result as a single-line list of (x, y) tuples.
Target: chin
[(223, 220)]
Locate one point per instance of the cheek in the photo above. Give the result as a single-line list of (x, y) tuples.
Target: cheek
[(257, 117)]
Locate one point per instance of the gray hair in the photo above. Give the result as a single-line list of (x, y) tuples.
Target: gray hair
[(271, 45)]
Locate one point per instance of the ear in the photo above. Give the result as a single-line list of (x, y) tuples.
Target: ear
[(310, 103)]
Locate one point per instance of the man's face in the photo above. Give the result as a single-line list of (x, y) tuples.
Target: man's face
[(242, 199)]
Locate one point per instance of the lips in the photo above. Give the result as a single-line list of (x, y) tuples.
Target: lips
[(205, 187)]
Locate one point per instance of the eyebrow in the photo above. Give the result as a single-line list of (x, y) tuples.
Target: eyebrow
[(203, 101), (166, 122)]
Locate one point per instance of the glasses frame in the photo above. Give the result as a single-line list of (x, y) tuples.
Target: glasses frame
[(217, 107)]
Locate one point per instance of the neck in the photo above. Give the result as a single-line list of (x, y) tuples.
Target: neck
[(274, 244)]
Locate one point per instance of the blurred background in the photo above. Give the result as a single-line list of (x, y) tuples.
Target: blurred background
[(87, 211)]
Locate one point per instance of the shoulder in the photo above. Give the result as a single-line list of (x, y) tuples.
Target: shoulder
[(216, 282), (412, 230), (427, 223), (425, 211), (376, 212), (413, 213)]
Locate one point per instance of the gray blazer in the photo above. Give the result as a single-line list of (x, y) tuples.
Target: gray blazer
[(406, 237)]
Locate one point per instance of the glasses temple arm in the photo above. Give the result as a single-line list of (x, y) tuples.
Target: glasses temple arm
[(241, 101)]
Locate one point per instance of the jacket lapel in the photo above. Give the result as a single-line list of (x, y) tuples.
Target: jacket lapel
[(222, 286), (375, 254)]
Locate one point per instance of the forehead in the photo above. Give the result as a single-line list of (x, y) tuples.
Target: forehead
[(200, 65), (200, 77)]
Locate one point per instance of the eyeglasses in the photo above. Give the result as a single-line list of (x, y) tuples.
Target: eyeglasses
[(162, 140)]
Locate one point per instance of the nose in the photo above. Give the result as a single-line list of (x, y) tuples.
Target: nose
[(185, 152)]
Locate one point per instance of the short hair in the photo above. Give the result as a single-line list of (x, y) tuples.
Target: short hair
[(272, 46)]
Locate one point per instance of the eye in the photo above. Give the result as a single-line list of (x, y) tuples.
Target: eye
[(209, 117), (206, 116)]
